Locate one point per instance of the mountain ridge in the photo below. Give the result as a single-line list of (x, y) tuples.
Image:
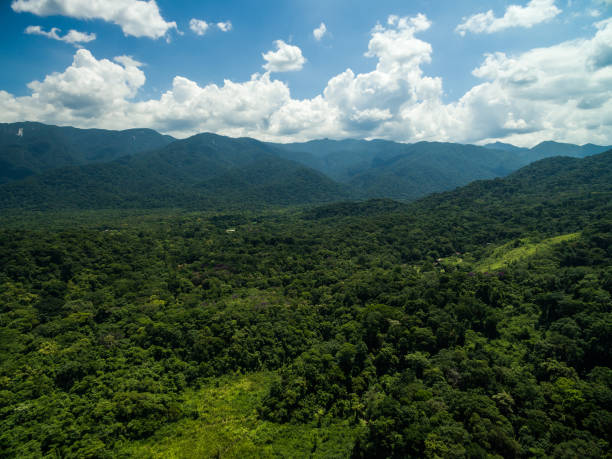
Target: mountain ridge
[(174, 176), (58, 167), (29, 148)]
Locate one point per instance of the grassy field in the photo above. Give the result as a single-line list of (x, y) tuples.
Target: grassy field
[(519, 250), (499, 257), (228, 427)]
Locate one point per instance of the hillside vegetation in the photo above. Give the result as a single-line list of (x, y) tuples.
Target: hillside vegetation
[(203, 172), (330, 331), (32, 148), (57, 168)]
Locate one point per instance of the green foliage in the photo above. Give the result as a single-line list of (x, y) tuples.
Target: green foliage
[(329, 332), (205, 171), (224, 422), (519, 250), (380, 168)]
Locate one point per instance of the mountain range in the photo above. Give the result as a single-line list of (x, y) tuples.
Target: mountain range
[(50, 167)]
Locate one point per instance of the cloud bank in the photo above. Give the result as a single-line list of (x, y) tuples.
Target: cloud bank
[(562, 92)]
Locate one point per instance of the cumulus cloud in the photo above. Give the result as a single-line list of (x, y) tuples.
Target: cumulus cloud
[(535, 12), (601, 54), (561, 92), (135, 17), (320, 32), (73, 37), (87, 91), (225, 26), (286, 58), (388, 101), (198, 26)]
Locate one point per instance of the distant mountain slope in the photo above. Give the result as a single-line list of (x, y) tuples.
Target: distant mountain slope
[(340, 159), (381, 168), (550, 148), (64, 166), (503, 146), (203, 171), (30, 148), (428, 167), (555, 195)]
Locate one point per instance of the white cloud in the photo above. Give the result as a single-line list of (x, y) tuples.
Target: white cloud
[(198, 26), (225, 26), (87, 91), (320, 32), (128, 61), (535, 12), (73, 37), (382, 103), (286, 58), (562, 92), (135, 17)]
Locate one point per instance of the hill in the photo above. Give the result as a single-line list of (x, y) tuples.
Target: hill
[(550, 148), (380, 168), (203, 171), (340, 159), (29, 148), (428, 167)]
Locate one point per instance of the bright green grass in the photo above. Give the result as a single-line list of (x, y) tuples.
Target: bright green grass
[(518, 250), (228, 427)]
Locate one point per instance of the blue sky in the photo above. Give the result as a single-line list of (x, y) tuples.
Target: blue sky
[(517, 71)]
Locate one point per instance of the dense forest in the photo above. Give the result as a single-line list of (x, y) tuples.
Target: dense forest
[(471, 323)]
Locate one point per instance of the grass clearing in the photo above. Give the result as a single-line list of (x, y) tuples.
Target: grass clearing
[(519, 250), (228, 427)]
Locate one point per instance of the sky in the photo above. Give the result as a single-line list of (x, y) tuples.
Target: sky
[(514, 71)]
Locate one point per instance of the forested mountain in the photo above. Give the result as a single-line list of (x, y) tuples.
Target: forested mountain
[(205, 171), (548, 149), (470, 323), (30, 148), (503, 146), (428, 167), (380, 168), (340, 159), (65, 167)]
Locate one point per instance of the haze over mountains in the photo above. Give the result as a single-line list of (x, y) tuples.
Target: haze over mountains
[(44, 166)]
